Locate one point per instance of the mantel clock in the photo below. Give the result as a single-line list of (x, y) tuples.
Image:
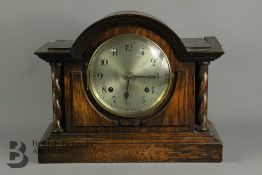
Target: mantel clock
[(128, 89)]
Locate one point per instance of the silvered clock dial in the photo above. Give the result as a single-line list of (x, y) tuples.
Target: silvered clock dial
[(129, 75)]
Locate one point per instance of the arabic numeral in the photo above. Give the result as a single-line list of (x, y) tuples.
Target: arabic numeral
[(104, 89), (114, 52), (156, 76), (104, 62), (114, 99), (129, 47), (142, 51), (100, 75), (153, 90), (153, 61)]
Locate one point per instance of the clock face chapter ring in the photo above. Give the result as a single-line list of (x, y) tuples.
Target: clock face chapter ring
[(129, 76)]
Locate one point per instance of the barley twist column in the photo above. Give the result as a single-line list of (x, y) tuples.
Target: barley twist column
[(56, 97), (202, 95)]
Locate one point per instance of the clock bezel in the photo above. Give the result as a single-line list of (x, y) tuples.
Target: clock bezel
[(153, 107)]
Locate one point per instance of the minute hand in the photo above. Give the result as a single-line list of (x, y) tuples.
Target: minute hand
[(144, 76)]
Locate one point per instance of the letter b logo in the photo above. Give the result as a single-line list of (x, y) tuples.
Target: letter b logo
[(18, 151)]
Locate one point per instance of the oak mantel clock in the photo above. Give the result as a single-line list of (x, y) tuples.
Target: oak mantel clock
[(128, 89)]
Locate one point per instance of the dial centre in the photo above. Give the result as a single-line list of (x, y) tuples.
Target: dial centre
[(128, 75)]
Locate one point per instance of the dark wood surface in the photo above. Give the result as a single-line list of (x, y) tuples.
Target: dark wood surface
[(198, 49), (139, 147)]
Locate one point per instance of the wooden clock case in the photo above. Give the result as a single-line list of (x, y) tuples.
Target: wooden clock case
[(82, 131)]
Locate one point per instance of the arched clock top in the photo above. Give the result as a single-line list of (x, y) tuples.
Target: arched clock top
[(186, 49), (112, 26)]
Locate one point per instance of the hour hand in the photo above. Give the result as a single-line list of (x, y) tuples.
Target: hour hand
[(126, 94)]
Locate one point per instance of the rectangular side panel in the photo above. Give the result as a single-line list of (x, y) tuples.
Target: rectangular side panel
[(79, 111), (180, 110), (83, 113)]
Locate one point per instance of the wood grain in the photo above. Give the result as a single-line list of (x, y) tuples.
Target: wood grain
[(198, 50), (83, 114), (143, 147)]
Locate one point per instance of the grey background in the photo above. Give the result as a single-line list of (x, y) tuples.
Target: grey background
[(235, 85)]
